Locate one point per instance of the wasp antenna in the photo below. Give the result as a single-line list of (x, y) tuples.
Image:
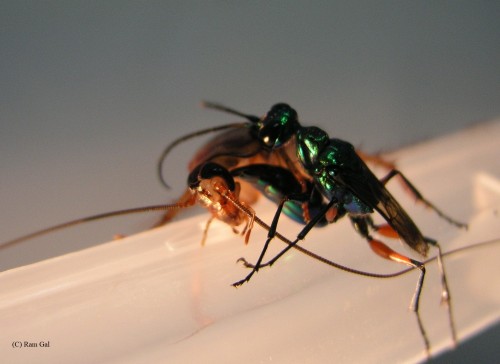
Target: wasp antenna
[(186, 137), (83, 220), (219, 107)]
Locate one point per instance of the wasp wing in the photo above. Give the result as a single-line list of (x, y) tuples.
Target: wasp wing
[(354, 175)]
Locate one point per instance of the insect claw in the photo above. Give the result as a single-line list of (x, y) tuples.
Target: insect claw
[(245, 263), (239, 283)]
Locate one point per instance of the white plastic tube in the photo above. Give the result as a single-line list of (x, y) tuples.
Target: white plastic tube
[(158, 296)]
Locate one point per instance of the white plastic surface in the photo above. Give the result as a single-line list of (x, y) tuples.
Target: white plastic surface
[(159, 297)]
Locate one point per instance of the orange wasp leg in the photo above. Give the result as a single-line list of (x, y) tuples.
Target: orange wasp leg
[(385, 252)]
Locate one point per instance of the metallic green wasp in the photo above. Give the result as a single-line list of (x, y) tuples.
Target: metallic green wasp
[(317, 180)]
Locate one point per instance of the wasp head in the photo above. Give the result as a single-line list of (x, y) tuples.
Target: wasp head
[(278, 126)]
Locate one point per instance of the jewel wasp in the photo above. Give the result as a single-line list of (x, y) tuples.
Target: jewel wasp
[(330, 180)]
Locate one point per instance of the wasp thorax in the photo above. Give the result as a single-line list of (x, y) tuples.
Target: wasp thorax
[(311, 141)]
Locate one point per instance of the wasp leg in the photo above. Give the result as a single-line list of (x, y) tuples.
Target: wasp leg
[(379, 161), (419, 197), (445, 292), (272, 233), (383, 229), (205, 230), (388, 231), (376, 160), (362, 225), (385, 252), (281, 186), (306, 210)]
